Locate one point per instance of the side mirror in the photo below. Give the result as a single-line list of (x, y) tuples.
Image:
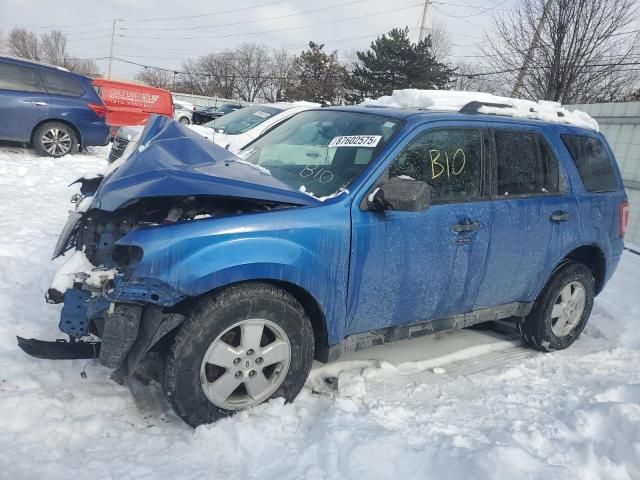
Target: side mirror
[(401, 194)]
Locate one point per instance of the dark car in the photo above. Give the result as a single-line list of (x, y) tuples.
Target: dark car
[(207, 114), (339, 229), (50, 108)]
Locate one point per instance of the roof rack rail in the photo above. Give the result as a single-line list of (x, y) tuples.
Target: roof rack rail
[(474, 106)]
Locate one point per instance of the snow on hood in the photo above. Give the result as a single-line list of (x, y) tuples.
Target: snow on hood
[(453, 101), (176, 161)]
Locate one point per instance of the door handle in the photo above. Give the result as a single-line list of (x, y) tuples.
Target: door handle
[(466, 227), (40, 104), (559, 216)]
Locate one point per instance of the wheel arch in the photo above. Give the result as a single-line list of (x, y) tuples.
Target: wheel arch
[(590, 255), (303, 296), (57, 120)]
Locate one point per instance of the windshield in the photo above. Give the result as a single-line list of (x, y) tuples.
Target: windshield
[(242, 120), (321, 151)]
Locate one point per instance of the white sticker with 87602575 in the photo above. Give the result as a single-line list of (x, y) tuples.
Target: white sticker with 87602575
[(368, 141)]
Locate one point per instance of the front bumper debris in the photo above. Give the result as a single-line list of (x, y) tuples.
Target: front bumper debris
[(120, 331), (59, 349)]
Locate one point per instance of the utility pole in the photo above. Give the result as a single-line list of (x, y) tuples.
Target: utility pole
[(423, 22), (113, 36), (532, 47)]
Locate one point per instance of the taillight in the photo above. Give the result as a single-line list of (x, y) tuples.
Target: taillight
[(100, 110), (624, 218)]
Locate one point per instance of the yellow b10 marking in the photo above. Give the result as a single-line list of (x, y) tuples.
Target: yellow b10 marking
[(459, 158)]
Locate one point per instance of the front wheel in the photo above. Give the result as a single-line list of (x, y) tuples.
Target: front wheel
[(184, 121), (237, 349), (562, 310), (55, 139)]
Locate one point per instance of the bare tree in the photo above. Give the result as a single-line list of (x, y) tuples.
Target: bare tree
[(192, 79), (440, 42), (253, 66), (23, 43), (281, 76), (580, 55), (155, 77), (470, 77), (53, 48), (85, 66), (211, 75), (50, 48), (221, 67)]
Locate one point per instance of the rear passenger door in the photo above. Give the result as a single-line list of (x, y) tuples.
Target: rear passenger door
[(23, 101), (65, 96), (533, 215)]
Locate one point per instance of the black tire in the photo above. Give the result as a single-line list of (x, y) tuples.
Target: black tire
[(184, 120), (40, 142), (213, 315), (536, 328)]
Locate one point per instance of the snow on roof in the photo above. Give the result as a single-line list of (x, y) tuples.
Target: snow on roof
[(453, 101)]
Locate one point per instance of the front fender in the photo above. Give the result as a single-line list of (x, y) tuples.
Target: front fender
[(307, 247)]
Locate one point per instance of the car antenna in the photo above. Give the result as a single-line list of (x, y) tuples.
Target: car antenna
[(215, 106)]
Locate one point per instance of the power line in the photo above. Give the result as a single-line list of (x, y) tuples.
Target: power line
[(468, 75), (300, 45), (463, 18), (132, 20), (54, 27), (219, 12), (517, 69), (393, 10), (332, 7), (482, 10)]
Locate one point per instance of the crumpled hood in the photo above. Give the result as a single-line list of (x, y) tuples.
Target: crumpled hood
[(173, 160)]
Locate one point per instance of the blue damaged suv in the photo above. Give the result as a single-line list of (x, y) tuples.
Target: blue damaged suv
[(341, 228), (52, 109)]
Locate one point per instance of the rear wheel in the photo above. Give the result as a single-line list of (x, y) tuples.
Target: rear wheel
[(562, 310), (237, 349), (55, 139), (184, 120)]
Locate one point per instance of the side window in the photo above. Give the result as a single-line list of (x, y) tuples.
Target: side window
[(526, 164), (61, 84), (593, 163), (449, 160), (16, 77)]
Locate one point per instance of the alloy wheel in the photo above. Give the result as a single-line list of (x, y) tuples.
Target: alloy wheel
[(56, 142), (568, 309), (245, 364)]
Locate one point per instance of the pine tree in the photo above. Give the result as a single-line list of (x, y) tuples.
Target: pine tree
[(317, 76), (394, 62)]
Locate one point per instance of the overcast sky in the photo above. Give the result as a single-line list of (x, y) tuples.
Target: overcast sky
[(88, 25)]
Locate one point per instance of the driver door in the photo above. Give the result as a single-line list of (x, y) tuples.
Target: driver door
[(408, 267)]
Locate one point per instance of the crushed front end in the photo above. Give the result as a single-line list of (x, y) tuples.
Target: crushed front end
[(95, 286), (111, 310)]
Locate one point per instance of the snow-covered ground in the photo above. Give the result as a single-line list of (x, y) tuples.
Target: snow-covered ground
[(466, 404)]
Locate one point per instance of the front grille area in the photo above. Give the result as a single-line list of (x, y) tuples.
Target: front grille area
[(117, 149)]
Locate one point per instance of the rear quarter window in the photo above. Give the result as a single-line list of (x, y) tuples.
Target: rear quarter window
[(61, 84), (593, 163), (19, 78)]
